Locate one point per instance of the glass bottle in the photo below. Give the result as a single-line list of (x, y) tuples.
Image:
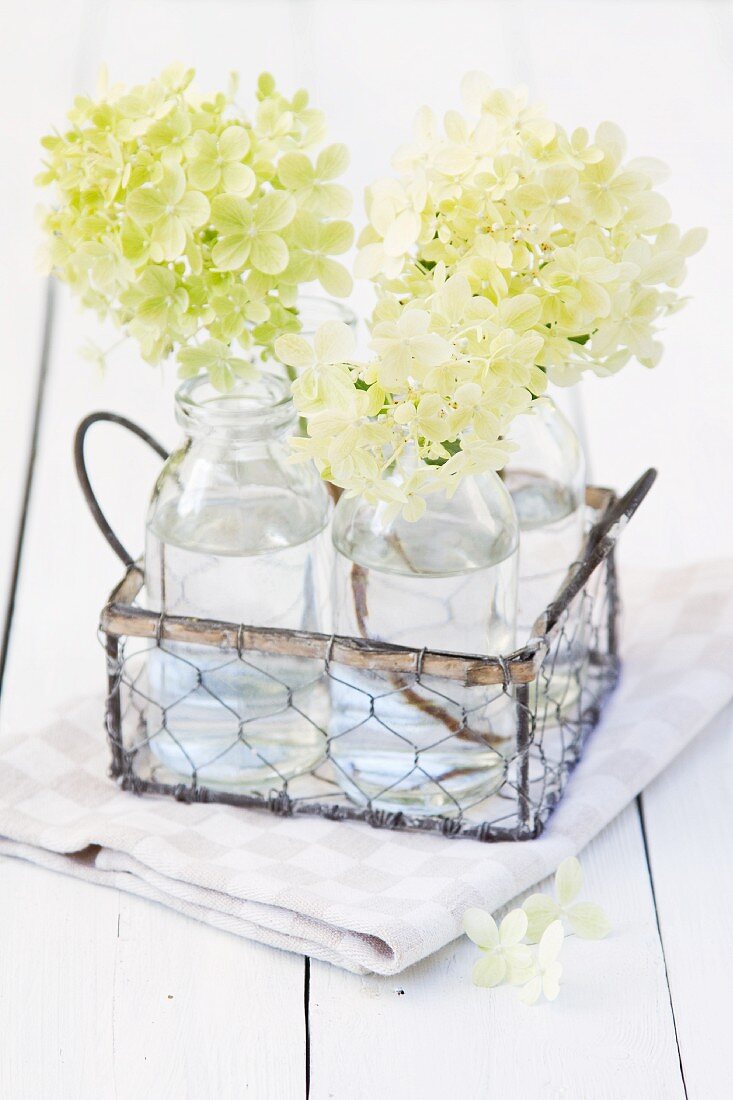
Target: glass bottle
[(448, 582), (238, 533), (314, 310), (546, 479)]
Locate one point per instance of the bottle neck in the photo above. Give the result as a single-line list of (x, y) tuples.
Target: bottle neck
[(250, 413)]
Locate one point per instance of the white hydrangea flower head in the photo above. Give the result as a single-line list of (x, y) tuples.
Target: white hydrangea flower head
[(505, 197), (434, 402)]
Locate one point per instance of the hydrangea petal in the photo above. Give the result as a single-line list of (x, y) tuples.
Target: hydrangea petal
[(274, 211), (520, 964), (693, 240), (655, 170), (454, 160), (453, 298), (588, 920), (295, 171), (541, 911), (301, 266), (402, 233), (370, 261), (648, 211), (610, 136), (550, 944), (489, 970), (551, 981), (231, 253), (173, 183), (559, 180), (475, 89), (234, 143), (568, 880), (664, 268), (145, 205), (269, 253), (169, 236), (294, 351), (335, 200), (521, 312), (337, 237), (231, 213), (481, 927), (332, 162), (513, 927), (333, 277), (239, 178), (203, 174), (193, 208), (334, 343)]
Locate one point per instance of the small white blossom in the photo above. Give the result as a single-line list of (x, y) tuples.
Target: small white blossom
[(503, 955), (449, 373), (547, 978), (584, 918)]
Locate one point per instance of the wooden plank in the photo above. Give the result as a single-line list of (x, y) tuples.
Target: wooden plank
[(201, 1013), (57, 977), (45, 961), (129, 999), (689, 851), (687, 816), (33, 90), (428, 1032), (105, 970), (228, 989)]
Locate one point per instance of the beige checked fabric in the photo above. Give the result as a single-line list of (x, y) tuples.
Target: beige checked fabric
[(366, 899)]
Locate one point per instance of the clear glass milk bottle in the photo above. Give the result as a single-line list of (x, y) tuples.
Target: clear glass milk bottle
[(236, 532), (546, 479), (447, 582)]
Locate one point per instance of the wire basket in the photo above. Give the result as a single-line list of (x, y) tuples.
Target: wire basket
[(553, 689)]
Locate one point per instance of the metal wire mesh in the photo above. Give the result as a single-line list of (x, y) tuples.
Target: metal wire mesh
[(487, 743)]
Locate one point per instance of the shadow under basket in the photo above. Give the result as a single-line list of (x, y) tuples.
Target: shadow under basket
[(550, 693)]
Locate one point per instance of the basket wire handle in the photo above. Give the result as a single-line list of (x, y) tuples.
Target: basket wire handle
[(83, 476), (601, 541)]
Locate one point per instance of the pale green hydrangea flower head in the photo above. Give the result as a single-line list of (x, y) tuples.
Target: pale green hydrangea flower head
[(505, 197), (190, 224)]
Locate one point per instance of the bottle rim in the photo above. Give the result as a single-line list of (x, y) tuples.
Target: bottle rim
[(316, 309), (252, 409)]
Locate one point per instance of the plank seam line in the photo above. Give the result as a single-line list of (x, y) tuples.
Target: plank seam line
[(642, 822), (306, 1007), (32, 455)]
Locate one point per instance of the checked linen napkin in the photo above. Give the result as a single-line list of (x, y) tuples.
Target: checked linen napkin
[(369, 900)]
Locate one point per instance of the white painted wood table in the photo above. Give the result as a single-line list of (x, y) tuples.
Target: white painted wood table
[(105, 995)]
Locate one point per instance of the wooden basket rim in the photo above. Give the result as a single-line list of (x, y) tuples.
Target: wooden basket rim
[(120, 618)]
